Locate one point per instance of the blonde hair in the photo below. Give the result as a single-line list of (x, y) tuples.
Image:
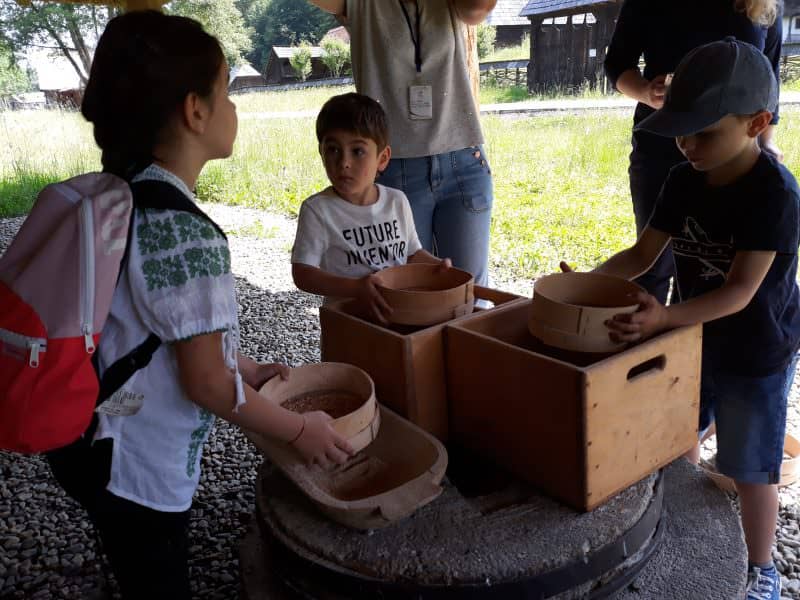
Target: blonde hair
[(762, 12)]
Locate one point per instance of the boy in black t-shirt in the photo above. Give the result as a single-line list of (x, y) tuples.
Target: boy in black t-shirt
[(732, 213)]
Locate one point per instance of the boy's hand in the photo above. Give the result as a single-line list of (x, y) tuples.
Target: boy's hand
[(263, 373), (650, 319), (369, 297), (445, 264), (319, 443), (565, 268)]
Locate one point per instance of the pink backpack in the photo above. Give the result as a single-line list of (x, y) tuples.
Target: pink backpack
[(56, 283), (57, 280)]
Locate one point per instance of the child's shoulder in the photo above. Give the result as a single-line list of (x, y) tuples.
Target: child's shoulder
[(315, 201), (772, 181)]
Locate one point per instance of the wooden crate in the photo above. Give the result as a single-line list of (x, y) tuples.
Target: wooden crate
[(580, 428), (406, 365)]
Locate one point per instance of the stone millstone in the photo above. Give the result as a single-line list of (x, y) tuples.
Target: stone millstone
[(505, 536), (702, 537)]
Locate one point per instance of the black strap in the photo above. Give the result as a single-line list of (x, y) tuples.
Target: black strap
[(146, 194), (416, 39), (151, 193)]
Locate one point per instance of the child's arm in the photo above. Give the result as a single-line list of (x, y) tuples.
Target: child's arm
[(747, 272), (633, 261), (211, 385), (423, 256), (316, 281)]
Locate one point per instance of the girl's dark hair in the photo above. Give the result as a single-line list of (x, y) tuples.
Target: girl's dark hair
[(145, 65), (355, 113)]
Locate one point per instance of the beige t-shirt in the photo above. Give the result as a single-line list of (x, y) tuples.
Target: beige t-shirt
[(383, 68)]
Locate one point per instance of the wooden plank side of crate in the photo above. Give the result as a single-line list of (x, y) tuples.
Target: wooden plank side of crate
[(378, 351), (517, 407), (641, 411)]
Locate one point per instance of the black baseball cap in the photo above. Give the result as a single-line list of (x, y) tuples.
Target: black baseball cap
[(722, 78)]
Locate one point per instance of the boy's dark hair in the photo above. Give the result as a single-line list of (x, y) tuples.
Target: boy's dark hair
[(145, 65), (354, 113)]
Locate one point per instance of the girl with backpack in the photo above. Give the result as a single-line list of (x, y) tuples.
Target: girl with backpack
[(157, 98)]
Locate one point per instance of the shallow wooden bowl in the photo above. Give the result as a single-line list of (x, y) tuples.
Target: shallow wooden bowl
[(569, 310), (424, 294), (398, 473), (790, 468), (345, 392)]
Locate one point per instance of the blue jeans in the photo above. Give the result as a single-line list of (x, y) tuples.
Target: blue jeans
[(750, 414), (451, 198)]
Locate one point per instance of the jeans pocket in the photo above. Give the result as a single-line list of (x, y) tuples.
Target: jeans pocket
[(474, 179)]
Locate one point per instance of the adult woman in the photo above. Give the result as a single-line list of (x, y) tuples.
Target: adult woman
[(410, 56), (664, 31)]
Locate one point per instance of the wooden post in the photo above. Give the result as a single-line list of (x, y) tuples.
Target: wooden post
[(143, 4)]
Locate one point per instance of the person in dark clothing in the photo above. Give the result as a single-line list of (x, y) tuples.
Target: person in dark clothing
[(732, 214), (663, 32)]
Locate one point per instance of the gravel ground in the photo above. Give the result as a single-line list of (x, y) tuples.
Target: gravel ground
[(47, 548)]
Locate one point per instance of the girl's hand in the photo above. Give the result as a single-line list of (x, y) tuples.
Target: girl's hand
[(651, 318), (564, 266), (445, 264), (319, 443), (653, 93), (371, 299), (263, 373)]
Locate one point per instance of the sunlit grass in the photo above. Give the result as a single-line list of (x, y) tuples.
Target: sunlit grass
[(561, 185)]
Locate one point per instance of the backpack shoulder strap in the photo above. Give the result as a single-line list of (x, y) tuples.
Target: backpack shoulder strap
[(151, 193), (159, 195)]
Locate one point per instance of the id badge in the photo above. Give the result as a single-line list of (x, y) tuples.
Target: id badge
[(420, 101)]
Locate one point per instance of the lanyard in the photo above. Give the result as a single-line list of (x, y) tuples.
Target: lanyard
[(414, 38)]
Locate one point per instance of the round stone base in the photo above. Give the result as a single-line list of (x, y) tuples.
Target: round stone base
[(506, 534)]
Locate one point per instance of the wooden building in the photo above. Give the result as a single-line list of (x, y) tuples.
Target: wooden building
[(279, 69), (569, 39), (791, 27), (509, 25), (244, 76)]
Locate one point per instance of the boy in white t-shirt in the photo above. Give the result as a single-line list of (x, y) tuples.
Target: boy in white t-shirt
[(355, 227)]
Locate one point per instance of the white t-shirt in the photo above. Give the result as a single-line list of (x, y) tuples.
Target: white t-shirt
[(177, 284), (353, 241)]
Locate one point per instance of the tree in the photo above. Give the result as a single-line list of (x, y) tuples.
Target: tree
[(486, 37), (222, 19), (67, 30), (335, 55), (301, 61), (71, 30), (283, 23), (12, 78)]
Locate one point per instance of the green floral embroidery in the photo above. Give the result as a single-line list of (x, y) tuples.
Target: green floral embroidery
[(196, 263), (197, 440), (163, 273), (156, 236), (192, 228), (208, 262)]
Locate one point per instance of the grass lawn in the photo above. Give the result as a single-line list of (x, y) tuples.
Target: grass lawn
[(561, 187)]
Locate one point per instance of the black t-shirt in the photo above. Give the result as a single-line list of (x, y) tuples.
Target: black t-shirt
[(663, 32), (709, 225)]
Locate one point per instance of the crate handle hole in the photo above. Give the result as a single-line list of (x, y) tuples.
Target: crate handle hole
[(654, 364)]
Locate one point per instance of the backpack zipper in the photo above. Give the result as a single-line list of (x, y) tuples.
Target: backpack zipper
[(34, 345), (87, 273)]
